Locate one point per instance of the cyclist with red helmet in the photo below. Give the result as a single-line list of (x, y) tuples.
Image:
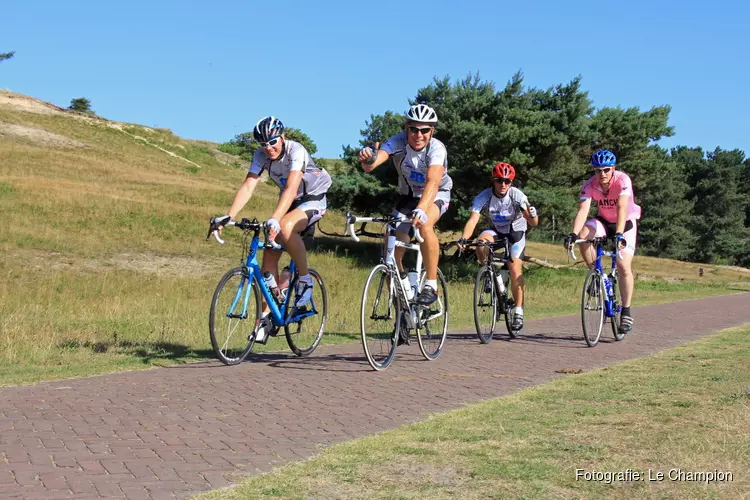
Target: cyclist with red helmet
[(617, 213), (424, 186), (509, 213)]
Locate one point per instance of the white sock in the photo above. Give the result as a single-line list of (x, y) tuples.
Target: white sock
[(306, 278), (431, 283), (518, 309)]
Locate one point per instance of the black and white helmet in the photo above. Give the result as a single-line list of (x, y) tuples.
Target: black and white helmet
[(421, 113), (267, 128)]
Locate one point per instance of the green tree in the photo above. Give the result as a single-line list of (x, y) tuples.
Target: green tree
[(547, 134), (719, 204), (81, 104), (7, 55)]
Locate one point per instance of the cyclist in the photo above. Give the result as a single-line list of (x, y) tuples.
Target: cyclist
[(424, 186), (617, 213), (302, 201), (510, 214)]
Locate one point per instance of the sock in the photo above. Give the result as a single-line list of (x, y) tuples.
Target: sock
[(431, 283), (518, 309), (626, 311), (306, 278)]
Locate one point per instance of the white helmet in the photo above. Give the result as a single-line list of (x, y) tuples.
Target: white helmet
[(421, 113)]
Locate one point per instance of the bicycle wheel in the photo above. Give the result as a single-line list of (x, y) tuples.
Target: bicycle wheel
[(432, 321), (485, 305), (232, 331), (617, 309), (304, 335), (592, 307), (380, 317)]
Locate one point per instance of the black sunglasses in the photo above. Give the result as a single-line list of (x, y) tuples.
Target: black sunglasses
[(502, 181), (424, 130), (603, 170)]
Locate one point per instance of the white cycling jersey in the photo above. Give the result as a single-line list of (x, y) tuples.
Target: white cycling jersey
[(315, 180), (412, 166), (506, 213)]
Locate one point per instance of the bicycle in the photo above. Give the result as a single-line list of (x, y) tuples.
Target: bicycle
[(492, 296), (389, 310), (599, 299), (238, 297)]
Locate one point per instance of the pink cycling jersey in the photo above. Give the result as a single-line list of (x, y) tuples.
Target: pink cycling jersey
[(606, 202)]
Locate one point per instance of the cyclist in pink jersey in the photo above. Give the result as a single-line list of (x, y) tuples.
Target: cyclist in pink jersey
[(617, 213)]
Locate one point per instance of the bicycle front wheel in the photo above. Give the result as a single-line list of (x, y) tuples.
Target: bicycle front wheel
[(235, 309), (432, 321), (617, 310), (380, 318), (485, 305), (592, 307), (304, 334)]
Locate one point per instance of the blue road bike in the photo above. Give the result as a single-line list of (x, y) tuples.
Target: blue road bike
[(599, 301), (234, 318)]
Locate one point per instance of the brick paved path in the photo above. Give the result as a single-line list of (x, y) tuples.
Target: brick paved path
[(170, 432)]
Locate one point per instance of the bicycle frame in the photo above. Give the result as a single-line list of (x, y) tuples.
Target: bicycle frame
[(278, 313), (609, 311), (390, 260)]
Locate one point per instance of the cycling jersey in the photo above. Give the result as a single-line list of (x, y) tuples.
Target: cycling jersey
[(412, 166), (315, 180), (506, 213), (606, 202)]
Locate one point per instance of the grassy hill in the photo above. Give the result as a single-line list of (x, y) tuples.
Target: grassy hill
[(105, 264)]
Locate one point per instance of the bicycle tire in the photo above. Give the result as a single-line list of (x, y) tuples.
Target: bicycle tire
[(617, 308), (238, 343), (485, 320), (381, 319), (592, 307), (304, 343), (431, 344)]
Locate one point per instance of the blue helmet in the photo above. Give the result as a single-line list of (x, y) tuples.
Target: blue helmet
[(603, 158)]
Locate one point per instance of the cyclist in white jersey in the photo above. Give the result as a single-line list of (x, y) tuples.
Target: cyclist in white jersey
[(617, 213), (302, 200), (424, 186), (510, 214)]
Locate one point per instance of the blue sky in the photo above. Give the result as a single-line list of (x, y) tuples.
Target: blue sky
[(210, 70)]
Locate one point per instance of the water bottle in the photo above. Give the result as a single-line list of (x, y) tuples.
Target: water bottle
[(502, 278), (407, 286), (271, 284), (413, 281), (284, 277), (608, 302)]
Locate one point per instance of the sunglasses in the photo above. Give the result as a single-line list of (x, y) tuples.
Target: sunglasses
[(603, 170), (424, 130), (271, 143), (502, 181)]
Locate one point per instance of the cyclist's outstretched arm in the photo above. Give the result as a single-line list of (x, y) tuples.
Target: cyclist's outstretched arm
[(434, 176), (583, 213), (372, 158), (470, 225), (288, 195), (622, 212), (243, 196)]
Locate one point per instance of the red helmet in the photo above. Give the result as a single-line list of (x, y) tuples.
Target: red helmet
[(503, 171)]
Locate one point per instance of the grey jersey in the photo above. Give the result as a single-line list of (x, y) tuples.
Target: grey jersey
[(315, 181), (412, 166), (506, 213)]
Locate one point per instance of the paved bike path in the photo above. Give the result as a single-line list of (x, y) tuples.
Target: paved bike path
[(170, 432)]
